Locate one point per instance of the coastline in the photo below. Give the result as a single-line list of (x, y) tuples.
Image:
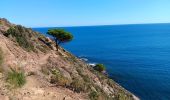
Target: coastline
[(94, 63), (46, 69)]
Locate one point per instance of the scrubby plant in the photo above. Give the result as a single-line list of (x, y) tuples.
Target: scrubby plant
[(85, 76), (99, 67), (93, 95), (99, 94), (59, 79), (78, 85), (21, 36), (16, 78), (60, 36), (110, 82), (121, 96)]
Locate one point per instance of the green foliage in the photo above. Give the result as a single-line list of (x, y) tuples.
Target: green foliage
[(93, 95), (99, 94), (15, 78), (23, 43), (86, 78), (59, 79), (60, 36), (122, 96), (110, 82), (99, 67), (78, 85), (21, 35)]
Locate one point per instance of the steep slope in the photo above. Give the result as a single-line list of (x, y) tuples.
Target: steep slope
[(4, 24), (50, 74)]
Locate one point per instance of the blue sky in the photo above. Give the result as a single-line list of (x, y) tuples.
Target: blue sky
[(42, 13)]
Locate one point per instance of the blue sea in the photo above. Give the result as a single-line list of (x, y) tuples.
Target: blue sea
[(137, 56)]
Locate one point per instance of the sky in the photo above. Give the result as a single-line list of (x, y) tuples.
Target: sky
[(51, 13)]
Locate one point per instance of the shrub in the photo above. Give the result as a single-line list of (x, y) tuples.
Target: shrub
[(24, 43), (78, 85), (59, 79), (15, 78), (99, 67), (122, 96), (86, 78), (111, 83), (21, 36), (93, 95)]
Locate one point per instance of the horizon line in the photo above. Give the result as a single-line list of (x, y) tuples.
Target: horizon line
[(99, 25)]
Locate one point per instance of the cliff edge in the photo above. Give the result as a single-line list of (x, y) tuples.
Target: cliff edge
[(32, 69)]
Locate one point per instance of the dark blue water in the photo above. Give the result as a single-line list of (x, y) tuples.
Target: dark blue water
[(136, 56)]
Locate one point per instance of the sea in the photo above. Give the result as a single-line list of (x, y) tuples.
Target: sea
[(136, 56)]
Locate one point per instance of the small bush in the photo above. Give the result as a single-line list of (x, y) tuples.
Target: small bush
[(24, 43), (86, 78), (111, 83), (99, 67), (21, 36), (78, 85), (93, 95), (17, 79), (123, 96), (59, 79)]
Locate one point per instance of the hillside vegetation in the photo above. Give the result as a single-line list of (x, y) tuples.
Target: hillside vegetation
[(33, 69)]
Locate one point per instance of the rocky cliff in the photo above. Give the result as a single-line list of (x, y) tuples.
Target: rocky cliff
[(32, 69)]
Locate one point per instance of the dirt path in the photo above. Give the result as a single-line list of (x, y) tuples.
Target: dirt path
[(43, 60)]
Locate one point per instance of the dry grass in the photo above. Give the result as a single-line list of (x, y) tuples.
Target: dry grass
[(59, 79), (15, 78)]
